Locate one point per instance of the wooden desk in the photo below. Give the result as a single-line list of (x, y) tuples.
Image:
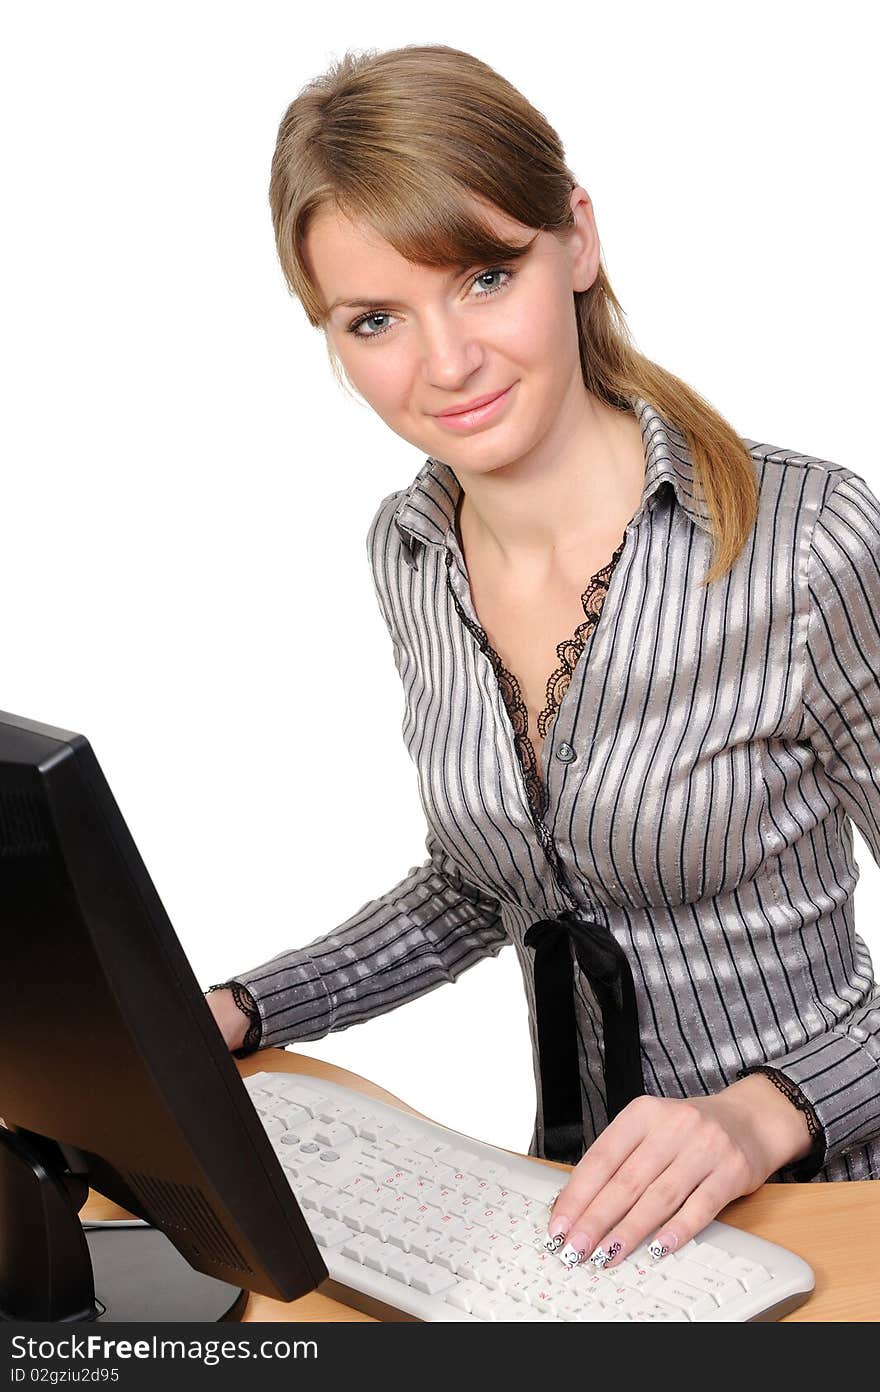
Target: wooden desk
[(835, 1227)]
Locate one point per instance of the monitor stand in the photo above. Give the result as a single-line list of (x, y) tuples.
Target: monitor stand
[(54, 1268)]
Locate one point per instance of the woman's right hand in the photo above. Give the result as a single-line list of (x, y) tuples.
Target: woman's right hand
[(231, 1022)]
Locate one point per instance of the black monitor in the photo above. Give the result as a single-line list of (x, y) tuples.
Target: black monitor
[(114, 1075)]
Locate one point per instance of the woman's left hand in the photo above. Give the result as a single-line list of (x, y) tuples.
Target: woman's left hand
[(664, 1167)]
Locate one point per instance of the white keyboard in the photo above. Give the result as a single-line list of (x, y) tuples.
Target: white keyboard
[(418, 1222)]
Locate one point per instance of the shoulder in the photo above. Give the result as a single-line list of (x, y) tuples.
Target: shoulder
[(813, 499), (382, 523), (789, 473), (385, 549)]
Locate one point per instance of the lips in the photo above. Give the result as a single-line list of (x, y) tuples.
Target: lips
[(473, 405)]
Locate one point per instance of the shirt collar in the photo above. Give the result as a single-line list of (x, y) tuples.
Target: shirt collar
[(426, 510)]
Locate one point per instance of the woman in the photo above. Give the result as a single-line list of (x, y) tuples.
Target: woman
[(644, 785)]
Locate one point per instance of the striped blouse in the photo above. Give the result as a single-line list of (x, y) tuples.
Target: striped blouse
[(704, 763)]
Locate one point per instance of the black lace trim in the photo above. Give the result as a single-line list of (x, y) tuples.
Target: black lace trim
[(810, 1164), (248, 1006), (558, 682)]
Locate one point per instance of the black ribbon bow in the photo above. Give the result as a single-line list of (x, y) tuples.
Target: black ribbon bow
[(605, 964)]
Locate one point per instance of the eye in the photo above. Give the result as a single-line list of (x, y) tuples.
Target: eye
[(369, 319), (484, 293), (495, 271)]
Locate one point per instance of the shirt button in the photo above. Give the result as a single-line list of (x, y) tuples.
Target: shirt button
[(565, 753)]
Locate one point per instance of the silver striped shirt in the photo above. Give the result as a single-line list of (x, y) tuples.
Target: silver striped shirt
[(723, 742)]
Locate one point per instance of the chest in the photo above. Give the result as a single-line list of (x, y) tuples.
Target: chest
[(527, 630), (540, 630), (673, 707)]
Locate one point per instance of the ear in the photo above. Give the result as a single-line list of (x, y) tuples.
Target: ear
[(583, 240)]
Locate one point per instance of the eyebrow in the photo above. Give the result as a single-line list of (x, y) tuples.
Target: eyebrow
[(343, 303)]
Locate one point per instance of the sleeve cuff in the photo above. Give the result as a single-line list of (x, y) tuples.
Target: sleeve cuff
[(840, 1082), (809, 1165), (301, 1008), (247, 1005)]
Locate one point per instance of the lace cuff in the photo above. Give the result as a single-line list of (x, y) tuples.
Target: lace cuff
[(248, 1006), (809, 1165)]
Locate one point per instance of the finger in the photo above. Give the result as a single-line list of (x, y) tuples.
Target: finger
[(584, 1213), (703, 1154), (683, 1220), (661, 1199), (607, 1153), (702, 1206), (646, 1192)]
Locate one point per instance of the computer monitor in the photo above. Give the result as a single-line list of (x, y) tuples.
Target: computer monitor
[(114, 1075)]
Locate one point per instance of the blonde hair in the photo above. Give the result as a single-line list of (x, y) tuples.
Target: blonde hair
[(405, 141)]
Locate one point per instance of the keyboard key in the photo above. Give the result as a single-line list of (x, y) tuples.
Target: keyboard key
[(624, 1299), (273, 1125), (449, 1254), (628, 1274), (327, 1110), (355, 1215), (588, 1313), (693, 1302), (715, 1283), (333, 1134), (426, 1243), (335, 1173), (311, 1195), (353, 1116), (751, 1274), (429, 1145), (358, 1247), (464, 1293), (469, 1266), (411, 1161), (335, 1206), (400, 1233), (525, 1314), (327, 1232), (499, 1275), (432, 1279), (653, 1310), (708, 1254), (538, 1293), (377, 1224), (295, 1092), (488, 1306), (463, 1163)]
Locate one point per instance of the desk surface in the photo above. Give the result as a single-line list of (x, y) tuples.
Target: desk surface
[(835, 1227)]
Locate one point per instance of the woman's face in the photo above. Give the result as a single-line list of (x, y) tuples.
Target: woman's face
[(416, 341)]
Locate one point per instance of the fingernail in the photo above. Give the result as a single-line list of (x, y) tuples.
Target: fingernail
[(603, 1255), (663, 1245), (554, 1240), (575, 1250)]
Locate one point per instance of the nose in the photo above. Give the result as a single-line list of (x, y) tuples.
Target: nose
[(450, 352)]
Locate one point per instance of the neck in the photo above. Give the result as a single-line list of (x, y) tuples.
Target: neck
[(580, 488)]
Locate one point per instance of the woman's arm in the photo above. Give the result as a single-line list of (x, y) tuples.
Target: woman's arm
[(422, 933), (838, 1072)]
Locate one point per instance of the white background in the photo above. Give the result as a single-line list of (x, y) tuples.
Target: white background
[(186, 490)]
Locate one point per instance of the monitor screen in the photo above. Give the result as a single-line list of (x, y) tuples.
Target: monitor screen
[(114, 1075)]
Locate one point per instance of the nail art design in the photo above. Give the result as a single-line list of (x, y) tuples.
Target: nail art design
[(658, 1250), (571, 1255), (553, 1243), (599, 1258)]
